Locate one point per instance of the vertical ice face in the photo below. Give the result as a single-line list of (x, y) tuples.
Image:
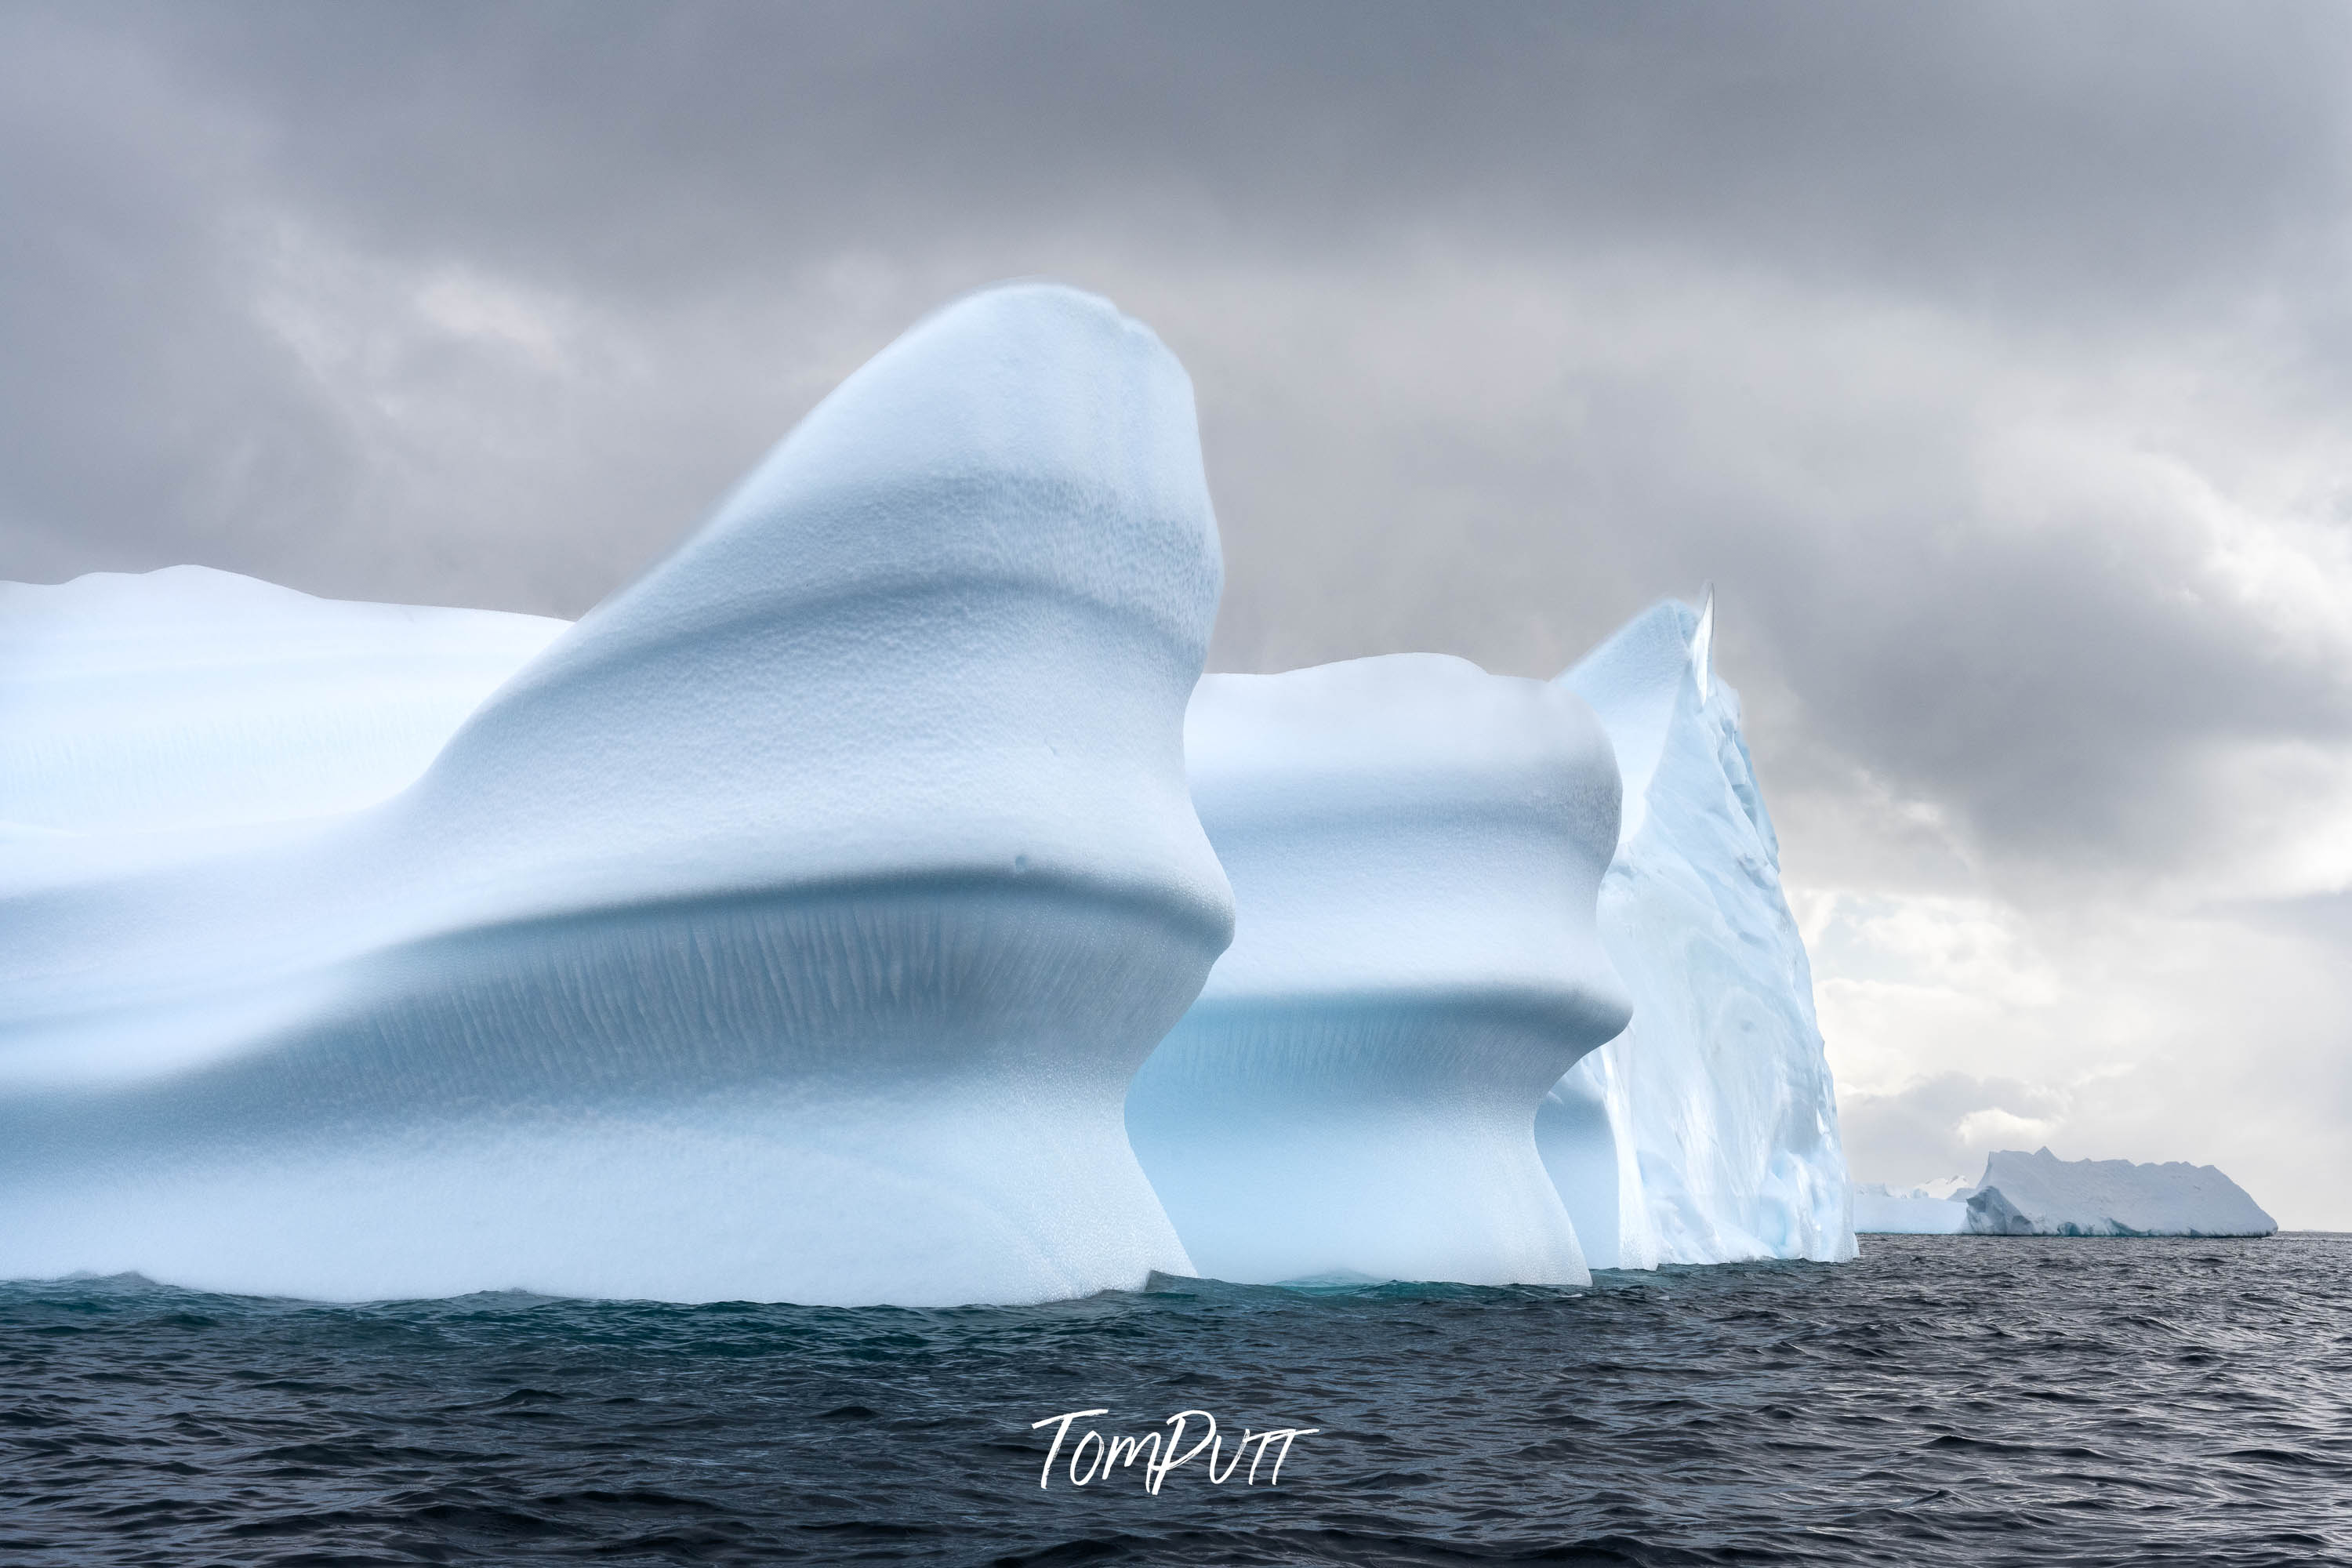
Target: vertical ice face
[(789, 929), (1707, 1131), (1415, 846)]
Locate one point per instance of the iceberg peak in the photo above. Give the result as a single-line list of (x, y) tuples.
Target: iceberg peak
[(1702, 646)]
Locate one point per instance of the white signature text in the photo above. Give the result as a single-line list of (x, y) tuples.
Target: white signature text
[(1093, 1457)]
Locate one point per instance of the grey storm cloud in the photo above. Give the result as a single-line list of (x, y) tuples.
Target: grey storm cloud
[(1919, 1132), (1990, 359), (2125, 151), (2080, 178)]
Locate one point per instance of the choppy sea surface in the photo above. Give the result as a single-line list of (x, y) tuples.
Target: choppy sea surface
[(1946, 1400)]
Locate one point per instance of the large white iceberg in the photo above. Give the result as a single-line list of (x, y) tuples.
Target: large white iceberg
[(1707, 1131), (790, 928), (793, 926), (2040, 1194), (1415, 846)]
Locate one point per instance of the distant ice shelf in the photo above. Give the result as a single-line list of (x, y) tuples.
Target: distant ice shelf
[(2040, 1194)]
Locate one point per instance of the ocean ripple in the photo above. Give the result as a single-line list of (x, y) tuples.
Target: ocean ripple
[(1970, 1400)]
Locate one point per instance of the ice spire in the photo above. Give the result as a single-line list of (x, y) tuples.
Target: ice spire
[(1702, 644)]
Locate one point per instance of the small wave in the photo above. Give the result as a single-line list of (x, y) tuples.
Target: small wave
[(2046, 1401)]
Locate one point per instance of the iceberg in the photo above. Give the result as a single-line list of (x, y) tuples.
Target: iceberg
[(788, 928), (1416, 846), (1707, 1131), (2040, 1194)]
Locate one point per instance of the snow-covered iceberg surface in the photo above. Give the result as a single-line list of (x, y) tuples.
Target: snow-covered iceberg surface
[(1707, 1131), (2040, 1194), (790, 928), (175, 714), (1415, 846)]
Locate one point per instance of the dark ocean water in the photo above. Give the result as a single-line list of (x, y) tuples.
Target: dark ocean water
[(1946, 1400)]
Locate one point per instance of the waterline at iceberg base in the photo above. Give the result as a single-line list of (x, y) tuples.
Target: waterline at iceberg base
[(813, 920)]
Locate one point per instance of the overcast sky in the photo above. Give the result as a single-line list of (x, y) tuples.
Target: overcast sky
[(1994, 361)]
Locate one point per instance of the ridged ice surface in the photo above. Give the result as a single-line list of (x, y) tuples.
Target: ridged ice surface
[(1707, 1131), (1414, 846), (789, 929)]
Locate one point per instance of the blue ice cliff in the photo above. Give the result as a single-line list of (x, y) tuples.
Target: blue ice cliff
[(790, 928), (1415, 846), (1707, 1131)]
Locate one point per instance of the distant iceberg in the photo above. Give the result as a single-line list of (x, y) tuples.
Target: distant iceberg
[(1415, 846), (789, 929), (1707, 1131), (2040, 1194)]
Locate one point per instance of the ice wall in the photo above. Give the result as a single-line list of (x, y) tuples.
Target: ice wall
[(1415, 846), (1707, 1131), (790, 928)]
